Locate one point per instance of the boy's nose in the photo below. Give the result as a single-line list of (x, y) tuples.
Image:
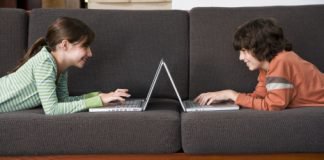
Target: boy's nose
[(241, 56), (89, 53)]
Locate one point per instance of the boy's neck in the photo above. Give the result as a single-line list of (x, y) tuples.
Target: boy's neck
[(265, 65)]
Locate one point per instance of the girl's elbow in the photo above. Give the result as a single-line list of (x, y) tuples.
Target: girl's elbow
[(51, 112)]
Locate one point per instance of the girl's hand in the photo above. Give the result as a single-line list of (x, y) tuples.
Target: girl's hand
[(216, 97), (117, 95)]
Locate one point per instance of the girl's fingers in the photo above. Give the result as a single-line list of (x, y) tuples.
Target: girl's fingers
[(122, 94), (121, 90)]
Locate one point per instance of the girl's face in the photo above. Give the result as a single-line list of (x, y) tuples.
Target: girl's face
[(247, 57), (79, 54)]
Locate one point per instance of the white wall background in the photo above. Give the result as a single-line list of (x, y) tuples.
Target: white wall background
[(188, 4)]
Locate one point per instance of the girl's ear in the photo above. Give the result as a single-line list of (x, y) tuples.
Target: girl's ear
[(64, 44)]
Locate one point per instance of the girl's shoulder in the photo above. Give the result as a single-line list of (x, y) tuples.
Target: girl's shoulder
[(43, 59), (43, 56)]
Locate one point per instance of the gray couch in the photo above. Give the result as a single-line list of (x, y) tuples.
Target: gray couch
[(127, 49), (249, 131)]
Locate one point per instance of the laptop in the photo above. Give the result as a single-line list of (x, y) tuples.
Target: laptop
[(190, 106), (131, 104)]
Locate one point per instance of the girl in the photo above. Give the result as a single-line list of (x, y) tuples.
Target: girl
[(41, 76), (285, 79)]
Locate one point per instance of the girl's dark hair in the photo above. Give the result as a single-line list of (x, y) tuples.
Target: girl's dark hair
[(263, 37), (63, 28)]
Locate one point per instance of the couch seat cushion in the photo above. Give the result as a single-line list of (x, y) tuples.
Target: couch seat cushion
[(251, 131), (31, 132)]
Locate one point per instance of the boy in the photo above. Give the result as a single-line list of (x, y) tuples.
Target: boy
[(285, 79)]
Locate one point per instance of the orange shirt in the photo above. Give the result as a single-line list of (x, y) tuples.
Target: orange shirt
[(289, 82)]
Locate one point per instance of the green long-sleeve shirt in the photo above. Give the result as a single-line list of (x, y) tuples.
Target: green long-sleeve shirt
[(35, 84)]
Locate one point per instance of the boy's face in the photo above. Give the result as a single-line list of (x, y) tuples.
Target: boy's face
[(247, 57)]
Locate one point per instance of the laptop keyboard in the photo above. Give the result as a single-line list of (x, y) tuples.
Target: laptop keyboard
[(131, 103), (190, 104)]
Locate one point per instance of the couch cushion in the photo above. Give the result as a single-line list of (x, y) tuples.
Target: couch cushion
[(127, 49), (13, 39), (30, 132), (211, 51), (251, 131)]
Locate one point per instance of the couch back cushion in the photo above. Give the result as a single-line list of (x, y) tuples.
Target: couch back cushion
[(214, 65), (13, 38), (127, 49)]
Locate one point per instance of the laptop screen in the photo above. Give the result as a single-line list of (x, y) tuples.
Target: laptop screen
[(157, 73)]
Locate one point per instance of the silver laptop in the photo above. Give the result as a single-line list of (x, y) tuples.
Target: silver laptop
[(190, 106), (131, 104)]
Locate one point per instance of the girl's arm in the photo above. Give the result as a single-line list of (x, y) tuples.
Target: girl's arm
[(63, 92), (45, 77)]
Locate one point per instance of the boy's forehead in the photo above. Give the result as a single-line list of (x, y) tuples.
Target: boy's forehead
[(243, 49), (246, 51)]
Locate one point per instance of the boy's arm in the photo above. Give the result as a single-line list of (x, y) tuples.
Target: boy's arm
[(274, 100), (274, 94), (260, 89)]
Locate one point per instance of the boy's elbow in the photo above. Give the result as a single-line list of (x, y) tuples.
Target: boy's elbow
[(277, 105), (275, 109), (272, 107)]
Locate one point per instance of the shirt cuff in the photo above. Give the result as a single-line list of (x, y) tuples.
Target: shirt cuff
[(94, 101), (243, 100), (91, 94)]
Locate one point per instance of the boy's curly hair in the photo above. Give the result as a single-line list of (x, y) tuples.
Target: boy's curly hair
[(263, 37)]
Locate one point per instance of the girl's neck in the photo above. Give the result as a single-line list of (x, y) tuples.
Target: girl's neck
[(61, 64)]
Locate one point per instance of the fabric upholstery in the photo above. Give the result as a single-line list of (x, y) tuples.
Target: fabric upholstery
[(126, 53), (127, 49), (214, 65), (251, 131), (13, 38), (31, 132), (211, 50)]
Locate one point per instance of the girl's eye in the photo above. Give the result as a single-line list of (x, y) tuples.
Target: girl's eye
[(85, 47)]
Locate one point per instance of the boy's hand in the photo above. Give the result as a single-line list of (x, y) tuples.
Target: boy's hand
[(216, 97)]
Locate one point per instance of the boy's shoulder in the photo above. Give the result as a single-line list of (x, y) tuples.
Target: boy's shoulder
[(286, 57)]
